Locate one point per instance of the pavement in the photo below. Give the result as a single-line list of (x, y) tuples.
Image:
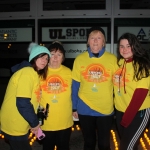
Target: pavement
[(76, 141)]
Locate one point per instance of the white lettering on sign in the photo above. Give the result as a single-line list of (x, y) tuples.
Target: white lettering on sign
[(15, 34), (142, 33)]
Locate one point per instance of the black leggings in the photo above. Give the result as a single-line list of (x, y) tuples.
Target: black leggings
[(59, 138), (92, 125), (19, 145), (129, 137)]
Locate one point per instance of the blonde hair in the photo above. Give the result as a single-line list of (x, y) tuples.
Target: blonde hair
[(97, 31)]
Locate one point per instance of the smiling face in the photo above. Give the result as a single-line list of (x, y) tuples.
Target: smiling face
[(96, 41), (125, 49), (56, 59), (41, 62)]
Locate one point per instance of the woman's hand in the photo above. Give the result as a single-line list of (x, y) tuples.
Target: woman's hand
[(35, 129), (75, 115)]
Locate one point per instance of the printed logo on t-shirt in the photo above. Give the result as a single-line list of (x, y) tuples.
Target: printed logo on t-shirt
[(38, 94), (54, 85), (119, 79), (95, 73)]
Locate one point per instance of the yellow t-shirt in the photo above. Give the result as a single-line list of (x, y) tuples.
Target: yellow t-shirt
[(124, 90), (56, 91), (23, 83), (0, 120), (95, 77)]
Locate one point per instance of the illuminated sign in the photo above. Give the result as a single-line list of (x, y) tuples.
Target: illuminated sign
[(72, 50), (143, 33), (15, 34), (67, 34)]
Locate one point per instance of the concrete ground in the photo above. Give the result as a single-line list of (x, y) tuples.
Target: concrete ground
[(76, 142)]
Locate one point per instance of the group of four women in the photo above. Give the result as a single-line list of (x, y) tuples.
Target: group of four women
[(98, 82)]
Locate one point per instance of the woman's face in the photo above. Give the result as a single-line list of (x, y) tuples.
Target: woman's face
[(56, 59), (125, 49), (96, 41), (41, 62)]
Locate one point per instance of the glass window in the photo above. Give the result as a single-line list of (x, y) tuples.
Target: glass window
[(13, 50), (137, 26), (72, 33), (51, 5), (134, 4), (14, 5)]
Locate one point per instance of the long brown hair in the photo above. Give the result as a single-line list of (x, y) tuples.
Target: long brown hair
[(141, 59), (43, 72)]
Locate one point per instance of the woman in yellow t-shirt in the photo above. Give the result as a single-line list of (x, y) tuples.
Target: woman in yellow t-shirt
[(56, 91), (92, 90), (131, 89), (18, 111)]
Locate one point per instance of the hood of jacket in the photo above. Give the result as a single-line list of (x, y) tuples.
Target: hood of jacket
[(20, 66)]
